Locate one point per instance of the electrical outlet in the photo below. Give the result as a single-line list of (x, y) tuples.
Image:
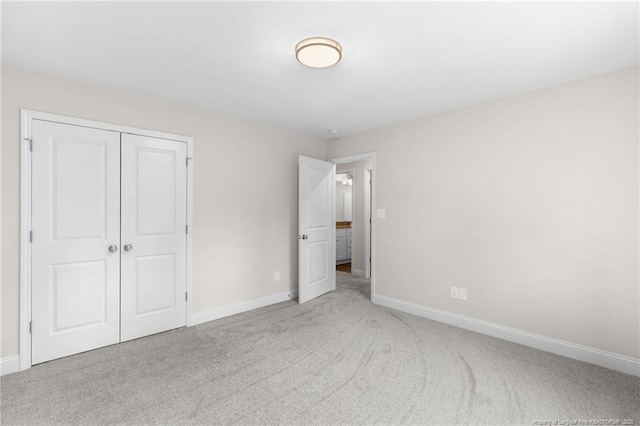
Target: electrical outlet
[(276, 276), (462, 292), (454, 292)]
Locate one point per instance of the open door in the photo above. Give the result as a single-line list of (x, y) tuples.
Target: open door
[(316, 228)]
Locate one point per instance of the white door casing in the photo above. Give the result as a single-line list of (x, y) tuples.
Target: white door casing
[(154, 219), (367, 221), (75, 219), (316, 228)]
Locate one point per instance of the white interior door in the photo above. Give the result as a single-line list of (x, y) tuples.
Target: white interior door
[(75, 220), (154, 219), (316, 228)]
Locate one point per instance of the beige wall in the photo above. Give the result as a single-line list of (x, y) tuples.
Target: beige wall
[(245, 189), (531, 203)]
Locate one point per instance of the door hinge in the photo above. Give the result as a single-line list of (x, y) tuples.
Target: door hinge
[(189, 158), (186, 297), (186, 229), (30, 236), (30, 326), (30, 143)]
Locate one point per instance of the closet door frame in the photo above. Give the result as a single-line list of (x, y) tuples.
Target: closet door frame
[(26, 119)]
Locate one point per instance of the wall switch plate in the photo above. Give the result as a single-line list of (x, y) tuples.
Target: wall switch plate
[(462, 292), (276, 276), (381, 213), (454, 292)]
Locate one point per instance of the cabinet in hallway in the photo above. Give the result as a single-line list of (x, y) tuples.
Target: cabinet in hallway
[(343, 245)]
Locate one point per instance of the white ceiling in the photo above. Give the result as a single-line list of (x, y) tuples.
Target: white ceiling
[(401, 60)]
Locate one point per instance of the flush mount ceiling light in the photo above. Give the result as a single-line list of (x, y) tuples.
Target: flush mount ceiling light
[(318, 52)]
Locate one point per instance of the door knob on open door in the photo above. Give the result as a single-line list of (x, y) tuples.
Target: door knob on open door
[(127, 247), (304, 237)]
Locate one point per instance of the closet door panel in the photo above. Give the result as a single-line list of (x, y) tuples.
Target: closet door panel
[(153, 235), (75, 219)]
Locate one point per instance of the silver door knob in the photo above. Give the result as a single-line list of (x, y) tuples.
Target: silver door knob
[(127, 247), (113, 249), (304, 237)]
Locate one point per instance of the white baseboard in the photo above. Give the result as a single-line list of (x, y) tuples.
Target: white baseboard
[(357, 272), (9, 364), (237, 308), (595, 356)]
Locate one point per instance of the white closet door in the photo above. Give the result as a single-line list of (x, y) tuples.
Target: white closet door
[(153, 259), (75, 219)]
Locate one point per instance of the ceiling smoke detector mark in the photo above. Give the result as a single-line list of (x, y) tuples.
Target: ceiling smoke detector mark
[(334, 133)]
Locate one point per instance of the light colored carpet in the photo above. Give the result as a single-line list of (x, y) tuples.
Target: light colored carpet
[(335, 360)]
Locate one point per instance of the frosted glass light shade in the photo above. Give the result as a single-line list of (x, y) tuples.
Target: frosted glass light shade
[(318, 52)]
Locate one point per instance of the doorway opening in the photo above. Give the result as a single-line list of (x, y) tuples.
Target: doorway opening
[(354, 203), (344, 205)]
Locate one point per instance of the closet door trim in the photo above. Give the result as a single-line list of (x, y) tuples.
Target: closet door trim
[(26, 119)]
